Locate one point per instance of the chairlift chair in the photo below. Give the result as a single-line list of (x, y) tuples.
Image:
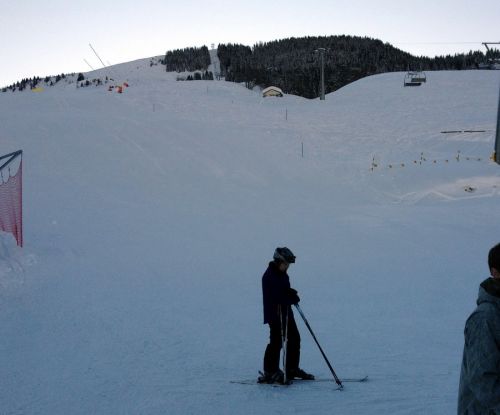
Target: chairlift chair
[(419, 77), (412, 79), (492, 63)]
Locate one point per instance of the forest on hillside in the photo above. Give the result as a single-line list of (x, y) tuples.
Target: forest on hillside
[(293, 64), (187, 59)]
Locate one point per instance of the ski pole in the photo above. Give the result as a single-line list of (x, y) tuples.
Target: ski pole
[(284, 341), (337, 380)]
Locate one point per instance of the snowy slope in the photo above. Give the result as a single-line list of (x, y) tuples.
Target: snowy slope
[(150, 217)]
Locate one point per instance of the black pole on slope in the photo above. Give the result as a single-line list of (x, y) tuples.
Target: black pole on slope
[(497, 140), (337, 380)]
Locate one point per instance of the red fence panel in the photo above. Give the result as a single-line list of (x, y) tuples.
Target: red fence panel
[(11, 203)]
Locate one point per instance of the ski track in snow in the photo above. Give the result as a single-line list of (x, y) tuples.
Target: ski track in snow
[(150, 217)]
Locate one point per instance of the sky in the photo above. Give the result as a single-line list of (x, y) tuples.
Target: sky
[(53, 37)]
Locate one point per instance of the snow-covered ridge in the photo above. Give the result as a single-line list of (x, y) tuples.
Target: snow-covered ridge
[(96, 77)]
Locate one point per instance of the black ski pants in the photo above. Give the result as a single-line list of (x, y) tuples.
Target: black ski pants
[(273, 349)]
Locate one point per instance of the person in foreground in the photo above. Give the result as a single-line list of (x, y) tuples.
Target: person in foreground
[(278, 298), (479, 390)]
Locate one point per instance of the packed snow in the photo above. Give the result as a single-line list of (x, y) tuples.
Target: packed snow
[(150, 217)]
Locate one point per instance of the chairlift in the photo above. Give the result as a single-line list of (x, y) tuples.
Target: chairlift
[(415, 78), (492, 63), (419, 77)]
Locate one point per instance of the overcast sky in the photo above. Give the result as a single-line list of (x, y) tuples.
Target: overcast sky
[(52, 36)]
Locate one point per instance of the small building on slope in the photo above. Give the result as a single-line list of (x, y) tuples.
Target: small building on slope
[(272, 91)]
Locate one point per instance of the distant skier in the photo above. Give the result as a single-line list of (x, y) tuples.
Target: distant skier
[(479, 391), (278, 298)]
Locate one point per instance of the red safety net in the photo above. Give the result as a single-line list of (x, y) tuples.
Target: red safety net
[(11, 203)]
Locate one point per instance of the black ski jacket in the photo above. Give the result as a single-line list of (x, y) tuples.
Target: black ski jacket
[(275, 293)]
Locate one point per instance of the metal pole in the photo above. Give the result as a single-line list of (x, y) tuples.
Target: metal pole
[(337, 380), (497, 140), (12, 157), (98, 57), (89, 64), (284, 342), (322, 52)]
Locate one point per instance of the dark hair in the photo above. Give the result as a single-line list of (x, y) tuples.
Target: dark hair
[(494, 257)]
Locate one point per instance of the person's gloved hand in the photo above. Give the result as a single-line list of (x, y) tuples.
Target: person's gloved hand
[(293, 297)]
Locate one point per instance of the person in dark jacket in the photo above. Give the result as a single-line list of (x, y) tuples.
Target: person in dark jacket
[(479, 390), (278, 298)]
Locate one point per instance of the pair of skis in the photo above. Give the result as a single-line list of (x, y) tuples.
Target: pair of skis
[(345, 380), (338, 381)]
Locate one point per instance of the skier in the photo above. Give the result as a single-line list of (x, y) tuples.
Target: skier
[(479, 391), (278, 298)]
